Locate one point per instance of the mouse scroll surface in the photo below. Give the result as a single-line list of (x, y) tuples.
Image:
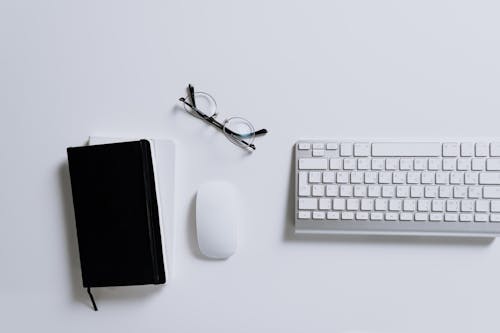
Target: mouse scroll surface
[(218, 212)]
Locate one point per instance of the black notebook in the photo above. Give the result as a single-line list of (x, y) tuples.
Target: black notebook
[(116, 211)]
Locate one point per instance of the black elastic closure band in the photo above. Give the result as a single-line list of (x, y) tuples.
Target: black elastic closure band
[(92, 299)]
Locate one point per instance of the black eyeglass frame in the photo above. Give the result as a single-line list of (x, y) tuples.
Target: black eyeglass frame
[(221, 126)]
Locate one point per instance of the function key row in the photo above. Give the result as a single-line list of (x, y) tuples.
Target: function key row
[(363, 149)]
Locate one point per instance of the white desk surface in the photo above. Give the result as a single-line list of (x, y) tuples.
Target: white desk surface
[(70, 69)]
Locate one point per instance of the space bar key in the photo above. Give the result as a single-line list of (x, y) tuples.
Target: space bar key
[(406, 149)]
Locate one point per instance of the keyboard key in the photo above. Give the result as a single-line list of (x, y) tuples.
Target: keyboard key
[(423, 205), (308, 203), (437, 205), (451, 217), (489, 178), (352, 204), (406, 149), (430, 191), (314, 177), (405, 164), (444, 191), (360, 191), (481, 217), (347, 215), (362, 149), (467, 149), (471, 178), (332, 190), (495, 218), (349, 164), (366, 204), (363, 164), (318, 145), (434, 164), (402, 191), (420, 217), (342, 177), (373, 191), (380, 204), (442, 177), (391, 164), (335, 164), (463, 164), (495, 149), (493, 164), (475, 192), (384, 177), (452, 205), (304, 214), (456, 177), (332, 215), (376, 216), (416, 191), (346, 149), (370, 177), (482, 206), (377, 164), (398, 177), (450, 149), (361, 216), (413, 177), (395, 205), (478, 164), (467, 206), (303, 176), (318, 190), (328, 177), (339, 204), (318, 152), (466, 217), (449, 164), (304, 146), (312, 164), (325, 204), (495, 206), (332, 146), (409, 205), (435, 217), (319, 215), (420, 164), (304, 190), (346, 190), (356, 177), (406, 216), (491, 192), (391, 216), (482, 149), (388, 191)]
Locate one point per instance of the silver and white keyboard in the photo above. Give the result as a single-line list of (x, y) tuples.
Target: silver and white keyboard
[(419, 188)]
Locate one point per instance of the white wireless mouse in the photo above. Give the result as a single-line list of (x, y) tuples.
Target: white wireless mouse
[(218, 212)]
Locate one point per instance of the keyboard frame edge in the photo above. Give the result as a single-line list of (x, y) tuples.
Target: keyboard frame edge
[(334, 227)]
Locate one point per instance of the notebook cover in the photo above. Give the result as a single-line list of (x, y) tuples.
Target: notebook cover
[(116, 214), (163, 156)]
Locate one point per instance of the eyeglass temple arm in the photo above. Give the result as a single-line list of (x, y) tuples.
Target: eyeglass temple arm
[(191, 94)]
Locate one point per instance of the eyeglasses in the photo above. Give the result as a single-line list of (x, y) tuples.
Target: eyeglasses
[(236, 129)]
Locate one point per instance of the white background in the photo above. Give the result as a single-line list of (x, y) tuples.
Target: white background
[(70, 69)]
